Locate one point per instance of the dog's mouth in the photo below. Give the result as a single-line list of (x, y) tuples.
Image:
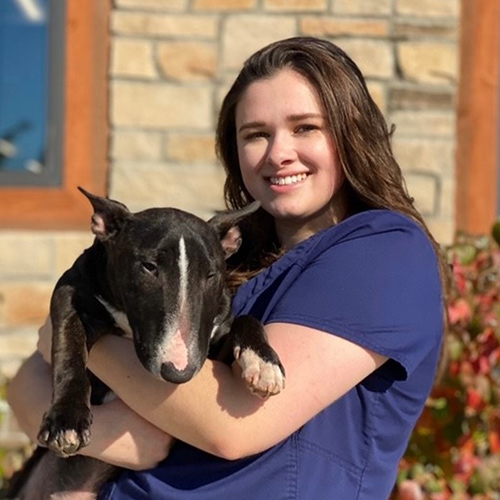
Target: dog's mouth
[(169, 371), (176, 358), (171, 374)]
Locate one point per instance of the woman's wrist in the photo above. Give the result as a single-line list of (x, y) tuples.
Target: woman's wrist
[(121, 437)]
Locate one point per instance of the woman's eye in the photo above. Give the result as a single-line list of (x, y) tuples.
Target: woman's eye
[(150, 267), (306, 128), (255, 135)]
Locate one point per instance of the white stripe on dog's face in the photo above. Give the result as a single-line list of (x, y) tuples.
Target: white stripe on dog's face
[(183, 277), (175, 350)]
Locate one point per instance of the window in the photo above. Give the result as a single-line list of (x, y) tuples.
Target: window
[(60, 142), (31, 56)]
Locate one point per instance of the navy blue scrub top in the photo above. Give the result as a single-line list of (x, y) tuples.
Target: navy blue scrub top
[(374, 280)]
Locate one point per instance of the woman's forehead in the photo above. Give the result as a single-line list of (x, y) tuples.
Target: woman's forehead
[(286, 92)]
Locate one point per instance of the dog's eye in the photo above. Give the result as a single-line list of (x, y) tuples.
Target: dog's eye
[(150, 267)]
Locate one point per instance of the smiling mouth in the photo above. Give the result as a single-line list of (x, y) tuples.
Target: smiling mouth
[(287, 180)]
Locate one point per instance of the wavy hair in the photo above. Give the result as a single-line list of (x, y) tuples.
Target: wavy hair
[(358, 128)]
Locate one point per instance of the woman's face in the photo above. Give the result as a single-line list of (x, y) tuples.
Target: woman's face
[(287, 157)]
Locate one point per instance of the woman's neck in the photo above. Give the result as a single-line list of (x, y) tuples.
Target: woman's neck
[(292, 231)]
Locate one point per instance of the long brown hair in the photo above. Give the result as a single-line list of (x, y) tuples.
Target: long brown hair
[(358, 128)]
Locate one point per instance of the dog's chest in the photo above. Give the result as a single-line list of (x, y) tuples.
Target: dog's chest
[(119, 317)]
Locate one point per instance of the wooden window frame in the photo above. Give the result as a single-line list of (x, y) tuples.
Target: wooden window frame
[(85, 127), (478, 118)]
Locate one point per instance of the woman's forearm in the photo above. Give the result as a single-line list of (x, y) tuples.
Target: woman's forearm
[(118, 435), (29, 394), (216, 412), (177, 409)]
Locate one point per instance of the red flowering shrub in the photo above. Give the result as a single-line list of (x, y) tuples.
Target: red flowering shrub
[(454, 452)]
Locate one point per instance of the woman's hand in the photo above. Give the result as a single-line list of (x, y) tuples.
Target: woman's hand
[(44, 344), (121, 437)]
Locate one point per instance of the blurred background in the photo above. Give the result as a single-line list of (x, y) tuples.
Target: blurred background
[(121, 97)]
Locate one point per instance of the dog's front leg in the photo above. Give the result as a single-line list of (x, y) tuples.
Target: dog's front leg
[(66, 425), (261, 367)]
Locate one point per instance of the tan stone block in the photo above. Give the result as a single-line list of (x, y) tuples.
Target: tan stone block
[(448, 189), (428, 62), (132, 58), (224, 84), (243, 35), (195, 188), (435, 156), (18, 342), (215, 5), (423, 188), (138, 23), (295, 5), (378, 92), (187, 60), (442, 228), (26, 254), (374, 57), (158, 106), (135, 145), (418, 28), (322, 26), (24, 303), (428, 8), (412, 97), (70, 245), (424, 123), (363, 7), (157, 5), (190, 148)]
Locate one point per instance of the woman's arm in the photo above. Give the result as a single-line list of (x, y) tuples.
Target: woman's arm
[(215, 411), (119, 435)]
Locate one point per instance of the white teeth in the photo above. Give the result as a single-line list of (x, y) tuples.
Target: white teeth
[(289, 179)]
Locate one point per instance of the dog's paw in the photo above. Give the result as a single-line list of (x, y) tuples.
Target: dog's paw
[(65, 432), (263, 377)]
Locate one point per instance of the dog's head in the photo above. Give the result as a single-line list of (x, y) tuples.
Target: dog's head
[(166, 270)]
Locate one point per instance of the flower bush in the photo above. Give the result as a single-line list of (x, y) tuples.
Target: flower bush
[(454, 452)]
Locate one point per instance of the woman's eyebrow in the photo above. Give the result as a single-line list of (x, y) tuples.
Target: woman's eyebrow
[(251, 125), (304, 116), (290, 118)]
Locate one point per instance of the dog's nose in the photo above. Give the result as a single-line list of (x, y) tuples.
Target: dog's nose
[(171, 374)]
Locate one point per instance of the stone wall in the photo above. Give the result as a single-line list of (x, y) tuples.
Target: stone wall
[(172, 61)]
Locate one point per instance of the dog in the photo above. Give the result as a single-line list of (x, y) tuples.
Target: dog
[(157, 276)]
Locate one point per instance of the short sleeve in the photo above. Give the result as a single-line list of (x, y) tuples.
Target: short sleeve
[(380, 290)]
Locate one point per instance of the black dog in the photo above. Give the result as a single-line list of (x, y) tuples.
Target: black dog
[(158, 276)]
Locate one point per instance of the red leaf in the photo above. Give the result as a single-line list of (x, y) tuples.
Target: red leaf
[(459, 312)]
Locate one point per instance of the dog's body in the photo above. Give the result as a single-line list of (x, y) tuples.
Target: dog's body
[(158, 276)]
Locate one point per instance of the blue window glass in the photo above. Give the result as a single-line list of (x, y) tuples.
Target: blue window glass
[(31, 75)]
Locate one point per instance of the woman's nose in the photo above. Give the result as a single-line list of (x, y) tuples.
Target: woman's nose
[(281, 150)]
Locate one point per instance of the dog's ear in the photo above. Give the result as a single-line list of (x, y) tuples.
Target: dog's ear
[(226, 225), (108, 217)]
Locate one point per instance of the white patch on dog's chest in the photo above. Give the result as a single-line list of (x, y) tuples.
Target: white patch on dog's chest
[(120, 318)]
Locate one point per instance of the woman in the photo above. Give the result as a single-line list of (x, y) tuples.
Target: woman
[(342, 270)]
